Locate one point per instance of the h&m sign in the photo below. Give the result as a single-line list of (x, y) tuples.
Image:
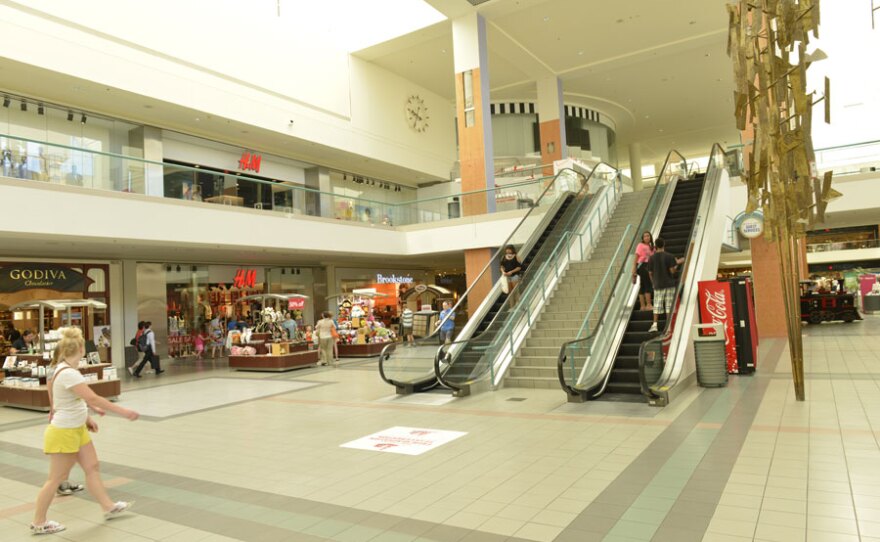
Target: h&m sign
[(15, 278)]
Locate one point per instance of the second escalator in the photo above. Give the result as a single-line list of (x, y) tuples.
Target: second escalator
[(623, 383)]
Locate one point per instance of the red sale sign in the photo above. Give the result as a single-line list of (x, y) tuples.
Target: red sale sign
[(296, 303), (716, 307)]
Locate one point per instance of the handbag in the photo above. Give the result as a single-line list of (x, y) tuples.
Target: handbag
[(505, 284)]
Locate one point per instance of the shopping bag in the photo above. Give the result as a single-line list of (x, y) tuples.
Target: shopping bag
[(505, 284)]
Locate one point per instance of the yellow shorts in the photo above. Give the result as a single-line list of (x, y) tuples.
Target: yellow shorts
[(65, 441)]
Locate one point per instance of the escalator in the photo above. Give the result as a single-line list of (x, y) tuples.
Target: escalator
[(468, 357), (411, 369), (621, 360), (624, 382)]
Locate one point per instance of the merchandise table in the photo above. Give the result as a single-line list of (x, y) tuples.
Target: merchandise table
[(367, 350), (280, 363)]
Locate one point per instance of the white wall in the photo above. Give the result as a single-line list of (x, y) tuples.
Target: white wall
[(263, 77), (120, 218)]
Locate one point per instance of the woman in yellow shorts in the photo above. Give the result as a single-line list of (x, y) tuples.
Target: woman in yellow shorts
[(67, 440)]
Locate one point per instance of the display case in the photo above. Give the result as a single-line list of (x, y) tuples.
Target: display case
[(22, 389)]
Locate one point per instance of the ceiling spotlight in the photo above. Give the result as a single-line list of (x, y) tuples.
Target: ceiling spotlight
[(40, 109), (6, 101), (82, 119), (23, 105), (70, 119)]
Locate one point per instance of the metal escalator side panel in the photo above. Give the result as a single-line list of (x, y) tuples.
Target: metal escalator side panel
[(702, 264)]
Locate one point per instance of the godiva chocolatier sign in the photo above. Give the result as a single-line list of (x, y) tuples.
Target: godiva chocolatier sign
[(14, 278)]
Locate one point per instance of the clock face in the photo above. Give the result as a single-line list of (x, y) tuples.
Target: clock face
[(416, 113)]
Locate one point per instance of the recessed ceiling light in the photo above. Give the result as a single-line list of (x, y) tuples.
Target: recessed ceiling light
[(546, 19), (660, 130), (580, 53), (693, 22), (198, 119), (148, 106), (708, 54), (647, 116), (618, 21)]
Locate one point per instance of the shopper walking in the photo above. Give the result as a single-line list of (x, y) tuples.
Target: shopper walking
[(324, 329), (66, 440), (644, 251), (147, 343), (662, 270), (446, 323)]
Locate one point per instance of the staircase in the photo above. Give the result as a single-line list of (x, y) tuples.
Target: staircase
[(535, 364), (623, 385)]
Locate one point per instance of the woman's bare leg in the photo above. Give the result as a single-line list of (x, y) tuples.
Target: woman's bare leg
[(88, 460), (59, 471)]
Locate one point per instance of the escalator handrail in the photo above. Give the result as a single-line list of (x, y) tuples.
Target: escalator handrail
[(386, 351), (561, 359), (441, 351), (666, 335)]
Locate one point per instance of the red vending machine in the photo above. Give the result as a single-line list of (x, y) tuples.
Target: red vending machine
[(731, 304)]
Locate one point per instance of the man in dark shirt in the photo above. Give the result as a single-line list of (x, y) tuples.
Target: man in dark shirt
[(661, 267), (24, 343)]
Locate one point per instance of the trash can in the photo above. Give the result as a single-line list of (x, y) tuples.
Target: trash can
[(711, 356), (453, 208)]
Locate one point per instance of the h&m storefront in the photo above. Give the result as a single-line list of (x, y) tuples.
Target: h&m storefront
[(181, 299)]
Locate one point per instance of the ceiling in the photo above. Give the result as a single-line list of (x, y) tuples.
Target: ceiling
[(658, 68)]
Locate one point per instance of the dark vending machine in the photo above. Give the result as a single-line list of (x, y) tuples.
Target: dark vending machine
[(731, 303), (745, 326)]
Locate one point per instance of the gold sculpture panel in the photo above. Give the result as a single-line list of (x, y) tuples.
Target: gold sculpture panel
[(767, 43)]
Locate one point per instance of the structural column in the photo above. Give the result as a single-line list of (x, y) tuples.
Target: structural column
[(551, 122), (635, 165), (475, 151)]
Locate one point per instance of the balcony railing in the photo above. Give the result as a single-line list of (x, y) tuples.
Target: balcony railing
[(843, 245), (76, 166)]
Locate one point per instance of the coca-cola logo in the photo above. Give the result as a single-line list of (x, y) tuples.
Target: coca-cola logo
[(716, 305)]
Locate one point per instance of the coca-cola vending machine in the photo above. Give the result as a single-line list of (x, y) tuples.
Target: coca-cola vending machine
[(731, 304)]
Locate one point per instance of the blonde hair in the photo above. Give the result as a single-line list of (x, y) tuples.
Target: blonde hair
[(71, 345)]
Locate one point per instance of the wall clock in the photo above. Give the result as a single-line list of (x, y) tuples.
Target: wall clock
[(416, 113)]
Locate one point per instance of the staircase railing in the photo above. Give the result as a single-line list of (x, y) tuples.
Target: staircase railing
[(584, 363), (654, 352), (522, 308), (414, 366)]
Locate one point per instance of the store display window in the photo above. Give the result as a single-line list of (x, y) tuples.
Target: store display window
[(24, 284)]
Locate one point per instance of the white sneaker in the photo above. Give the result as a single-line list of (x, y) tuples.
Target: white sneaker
[(119, 508), (653, 328)]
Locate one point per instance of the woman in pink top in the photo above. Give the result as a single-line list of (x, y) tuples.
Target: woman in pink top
[(644, 251)]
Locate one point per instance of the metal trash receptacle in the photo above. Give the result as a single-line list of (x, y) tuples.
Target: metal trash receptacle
[(711, 356)]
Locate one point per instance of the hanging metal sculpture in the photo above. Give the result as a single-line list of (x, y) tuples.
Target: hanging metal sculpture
[(768, 42)]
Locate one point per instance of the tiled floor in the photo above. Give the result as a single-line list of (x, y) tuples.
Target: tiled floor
[(746, 462)]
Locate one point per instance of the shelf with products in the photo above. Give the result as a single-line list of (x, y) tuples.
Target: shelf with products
[(24, 386), (361, 332)]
